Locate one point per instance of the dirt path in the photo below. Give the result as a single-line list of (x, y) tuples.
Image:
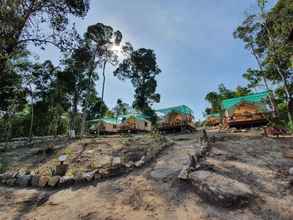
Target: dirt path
[(154, 192)]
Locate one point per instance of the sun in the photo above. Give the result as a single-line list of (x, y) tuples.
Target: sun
[(118, 50)]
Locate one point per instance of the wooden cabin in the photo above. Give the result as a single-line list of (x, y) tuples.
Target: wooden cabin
[(246, 111), (213, 120), (105, 126), (176, 118), (135, 123)]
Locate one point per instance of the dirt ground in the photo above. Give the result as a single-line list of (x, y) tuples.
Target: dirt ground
[(154, 192), (81, 155)]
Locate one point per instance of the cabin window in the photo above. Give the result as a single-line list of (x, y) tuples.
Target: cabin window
[(114, 126), (145, 124)]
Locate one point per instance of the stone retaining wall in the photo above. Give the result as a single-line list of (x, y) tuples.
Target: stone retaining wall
[(114, 167)]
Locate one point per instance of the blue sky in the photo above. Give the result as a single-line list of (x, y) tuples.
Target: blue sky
[(193, 41)]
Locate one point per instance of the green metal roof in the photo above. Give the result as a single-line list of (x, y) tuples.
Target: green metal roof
[(183, 109), (136, 116), (113, 121), (256, 98), (216, 115)]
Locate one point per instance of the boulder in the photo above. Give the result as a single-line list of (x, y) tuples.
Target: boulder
[(163, 174), (53, 181), (291, 171), (221, 190), (61, 169), (43, 181), (184, 173), (23, 180), (35, 181)]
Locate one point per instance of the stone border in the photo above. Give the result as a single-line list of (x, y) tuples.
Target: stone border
[(30, 179)]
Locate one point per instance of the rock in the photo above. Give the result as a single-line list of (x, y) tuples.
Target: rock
[(221, 190), (53, 181), (140, 163), (130, 164), (105, 162), (23, 180), (10, 174), (116, 161), (163, 173), (89, 176), (61, 169), (97, 176), (291, 171), (35, 181), (184, 173), (104, 172), (43, 181), (10, 181), (283, 164), (291, 181), (66, 181)]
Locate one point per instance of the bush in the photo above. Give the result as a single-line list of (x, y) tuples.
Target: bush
[(3, 167)]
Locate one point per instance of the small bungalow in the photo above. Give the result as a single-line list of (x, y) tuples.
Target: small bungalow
[(246, 111), (176, 118), (107, 125), (213, 119), (135, 123), (124, 123)]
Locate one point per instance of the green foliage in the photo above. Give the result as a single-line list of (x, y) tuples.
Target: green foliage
[(266, 35), (121, 108), (22, 23), (215, 98)]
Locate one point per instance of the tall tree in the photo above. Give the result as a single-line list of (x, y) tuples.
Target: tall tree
[(142, 69), (104, 40), (265, 34), (77, 80)]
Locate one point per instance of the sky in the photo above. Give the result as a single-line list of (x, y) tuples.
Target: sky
[(193, 41)]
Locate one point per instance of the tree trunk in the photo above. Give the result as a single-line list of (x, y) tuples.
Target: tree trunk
[(104, 80), (32, 119), (103, 90), (74, 112), (283, 78), (84, 116), (271, 95)]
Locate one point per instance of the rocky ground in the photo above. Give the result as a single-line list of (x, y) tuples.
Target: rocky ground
[(154, 191)]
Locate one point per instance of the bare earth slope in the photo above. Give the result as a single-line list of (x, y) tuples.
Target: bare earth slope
[(154, 192)]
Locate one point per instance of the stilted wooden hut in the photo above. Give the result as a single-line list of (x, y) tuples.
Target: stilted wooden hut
[(246, 111), (213, 119), (176, 118)]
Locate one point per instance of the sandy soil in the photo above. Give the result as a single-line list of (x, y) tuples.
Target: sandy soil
[(154, 192)]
